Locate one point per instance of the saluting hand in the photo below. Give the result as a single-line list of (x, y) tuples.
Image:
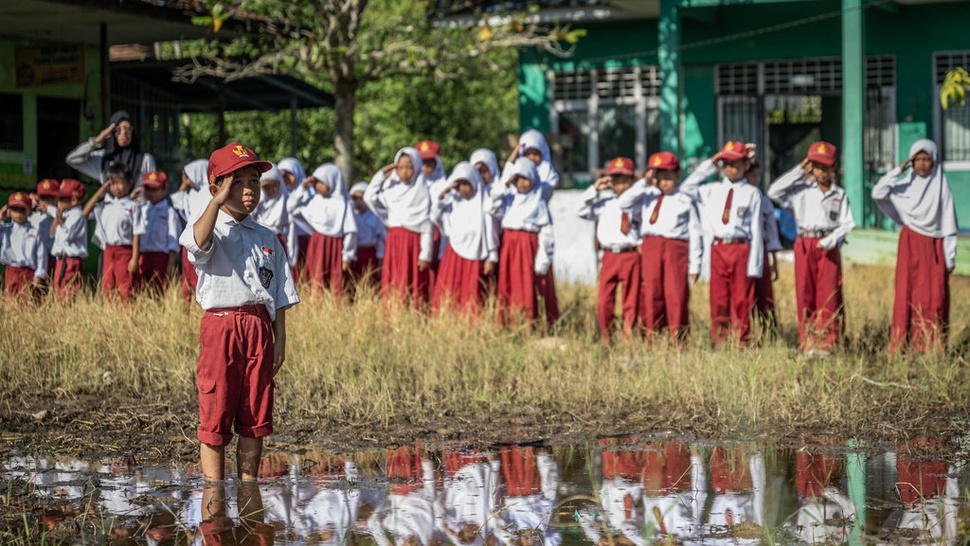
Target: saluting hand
[(307, 182), (4, 214), (806, 165), (750, 148), (603, 182), (905, 164), (104, 134), (650, 176), (454, 186), (388, 168), (222, 195)]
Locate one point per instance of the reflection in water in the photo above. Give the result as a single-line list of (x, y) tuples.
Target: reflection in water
[(611, 492)]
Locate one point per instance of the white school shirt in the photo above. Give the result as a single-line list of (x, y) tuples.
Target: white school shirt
[(316, 209), (71, 237), (538, 221), (744, 216), (605, 209), (42, 220), (370, 231), (744, 505), (417, 514), (471, 495), (628, 521), (769, 225), (162, 227), (813, 209), (393, 216), (119, 219), (533, 511), (677, 218), (21, 245), (244, 265)]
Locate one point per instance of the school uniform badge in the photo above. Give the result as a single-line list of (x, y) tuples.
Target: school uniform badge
[(265, 277), (742, 212)]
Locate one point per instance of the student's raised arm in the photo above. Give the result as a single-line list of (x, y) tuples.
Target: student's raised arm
[(206, 223), (372, 195), (781, 189), (756, 256), (882, 192), (86, 158), (588, 209), (93, 201), (692, 184)]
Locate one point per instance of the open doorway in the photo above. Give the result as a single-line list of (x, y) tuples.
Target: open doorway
[(58, 127)]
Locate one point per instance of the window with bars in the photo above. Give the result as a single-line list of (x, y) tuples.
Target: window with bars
[(955, 120), (606, 83), (822, 76)]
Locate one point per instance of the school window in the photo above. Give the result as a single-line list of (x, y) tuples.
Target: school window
[(599, 114), (11, 122), (953, 124)]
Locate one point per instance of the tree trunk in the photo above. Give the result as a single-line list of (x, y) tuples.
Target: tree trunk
[(345, 96)]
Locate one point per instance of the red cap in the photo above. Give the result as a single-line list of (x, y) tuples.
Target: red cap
[(732, 151), (428, 149), (49, 186), (231, 157), (620, 165), (822, 152), (154, 179), (72, 188), (663, 161), (19, 199)]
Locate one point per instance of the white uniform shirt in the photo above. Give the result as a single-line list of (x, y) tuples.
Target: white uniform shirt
[(71, 237), (814, 210), (743, 214), (384, 204), (370, 231), (162, 227), (532, 216), (605, 208), (676, 219), (332, 216), (21, 245), (769, 225), (244, 265), (470, 495), (119, 219), (42, 220)]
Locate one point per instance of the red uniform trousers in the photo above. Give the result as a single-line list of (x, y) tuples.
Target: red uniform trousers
[(666, 288), (153, 270), (814, 472), (324, 263), (667, 468), (115, 274), (521, 471), (818, 294), (404, 463), (921, 311), (17, 281), (190, 278), (618, 269), (732, 293), (517, 280), (68, 275), (920, 478), (400, 276), (764, 296), (546, 288), (365, 270), (459, 285), (235, 374), (730, 470)]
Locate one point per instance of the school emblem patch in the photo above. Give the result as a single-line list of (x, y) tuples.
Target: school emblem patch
[(742, 212), (240, 151), (265, 277), (833, 215)]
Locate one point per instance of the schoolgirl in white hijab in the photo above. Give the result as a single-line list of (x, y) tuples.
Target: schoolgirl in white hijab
[(525, 258), (486, 163), (917, 195), (323, 202), (298, 237), (191, 199), (534, 146), (371, 235), (271, 210), (461, 212), (398, 195)]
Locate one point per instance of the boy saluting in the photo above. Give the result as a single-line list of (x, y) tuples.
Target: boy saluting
[(245, 286)]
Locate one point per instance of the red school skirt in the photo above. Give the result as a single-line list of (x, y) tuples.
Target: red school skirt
[(460, 284), (400, 277)]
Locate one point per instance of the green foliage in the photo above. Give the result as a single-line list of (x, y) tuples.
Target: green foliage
[(956, 86)]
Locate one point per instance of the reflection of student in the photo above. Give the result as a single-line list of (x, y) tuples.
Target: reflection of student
[(738, 481), (217, 526), (409, 513), (469, 496), (824, 512), (929, 492), (531, 480), (674, 489), (332, 511), (621, 496)]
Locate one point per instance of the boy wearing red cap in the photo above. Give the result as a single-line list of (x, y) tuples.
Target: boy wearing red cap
[(437, 181), (70, 232), (21, 247), (731, 211), (118, 230), (44, 202), (671, 247), (160, 243), (822, 212), (617, 231), (764, 291), (245, 286)]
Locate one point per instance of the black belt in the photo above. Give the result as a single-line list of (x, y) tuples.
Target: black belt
[(816, 233), (620, 250), (731, 240)]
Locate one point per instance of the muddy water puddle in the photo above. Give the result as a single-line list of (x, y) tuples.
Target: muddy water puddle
[(616, 491)]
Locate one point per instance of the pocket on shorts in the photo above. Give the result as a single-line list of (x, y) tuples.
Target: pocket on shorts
[(206, 386)]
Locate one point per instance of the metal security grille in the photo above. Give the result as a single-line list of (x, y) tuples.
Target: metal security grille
[(737, 79), (822, 76), (955, 120), (157, 117), (881, 71), (606, 83), (811, 76), (945, 62)]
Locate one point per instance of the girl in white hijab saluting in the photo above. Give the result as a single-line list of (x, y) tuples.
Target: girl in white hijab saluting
[(486, 163), (298, 237), (922, 202), (191, 199), (398, 195), (322, 201), (461, 212), (534, 146)]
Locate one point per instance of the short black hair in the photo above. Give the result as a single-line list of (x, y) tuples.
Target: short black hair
[(117, 169)]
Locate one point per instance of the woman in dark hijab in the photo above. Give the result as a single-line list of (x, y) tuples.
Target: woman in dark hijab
[(117, 142)]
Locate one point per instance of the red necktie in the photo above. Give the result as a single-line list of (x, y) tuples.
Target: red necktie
[(627, 507), (625, 223), (656, 210), (727, 207)]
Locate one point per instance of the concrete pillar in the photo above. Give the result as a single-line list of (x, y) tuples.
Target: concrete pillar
[(669, 57), (853, 106)]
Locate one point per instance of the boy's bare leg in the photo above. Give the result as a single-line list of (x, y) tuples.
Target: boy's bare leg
[(213, 459), (248, 453)]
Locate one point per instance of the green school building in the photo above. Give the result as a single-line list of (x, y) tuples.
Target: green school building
[(687, 75)]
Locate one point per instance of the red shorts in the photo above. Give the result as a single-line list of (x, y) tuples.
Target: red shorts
[(235, 374)]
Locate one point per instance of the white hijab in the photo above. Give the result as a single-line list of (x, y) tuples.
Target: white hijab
[(925, 203), (408, 205), (198, 199), (466, 225), (486, 156), (534, 139), (329, 214), (273, 208), (292, 165), (526, 209), (196, 169), (298, 226)]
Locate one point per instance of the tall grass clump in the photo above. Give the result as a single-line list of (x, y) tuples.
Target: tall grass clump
[(368, 365)]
